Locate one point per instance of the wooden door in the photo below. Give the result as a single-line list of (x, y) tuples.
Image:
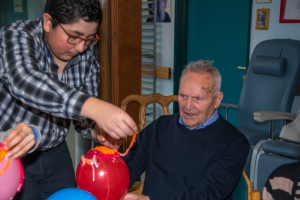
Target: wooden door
[(119, 52), (219, 31)]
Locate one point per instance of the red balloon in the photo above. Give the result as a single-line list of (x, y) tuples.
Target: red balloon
[(103, 173)]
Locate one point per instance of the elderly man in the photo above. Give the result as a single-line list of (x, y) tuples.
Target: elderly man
[(193, 154)]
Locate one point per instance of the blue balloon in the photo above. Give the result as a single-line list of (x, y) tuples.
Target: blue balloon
[(71, 193)]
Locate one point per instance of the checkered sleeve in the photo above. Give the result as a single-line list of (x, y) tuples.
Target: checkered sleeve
[(90, 87), (23, 76)]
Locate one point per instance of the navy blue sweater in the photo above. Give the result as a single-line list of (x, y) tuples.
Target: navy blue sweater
[(188, 164)]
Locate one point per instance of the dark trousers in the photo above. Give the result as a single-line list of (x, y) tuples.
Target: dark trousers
[(46, 172)]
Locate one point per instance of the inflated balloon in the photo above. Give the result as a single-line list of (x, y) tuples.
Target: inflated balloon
[(103, 173), (11, 176), (71, 194)]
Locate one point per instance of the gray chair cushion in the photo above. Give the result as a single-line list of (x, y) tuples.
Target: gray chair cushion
[(254, 136), (268, 65), (282, 148)]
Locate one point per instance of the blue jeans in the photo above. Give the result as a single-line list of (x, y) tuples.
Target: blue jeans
[(46, 172)]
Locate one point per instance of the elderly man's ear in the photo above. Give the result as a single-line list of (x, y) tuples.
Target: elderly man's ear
[(218, 99)]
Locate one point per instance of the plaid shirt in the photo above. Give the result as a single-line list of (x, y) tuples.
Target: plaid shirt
[(30, 90)]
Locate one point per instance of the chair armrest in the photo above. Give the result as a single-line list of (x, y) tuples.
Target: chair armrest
[(255, 195), (262, 116), (228, 105), (272, 116)]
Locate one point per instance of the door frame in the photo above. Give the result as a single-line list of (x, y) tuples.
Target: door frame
[(180, 44)]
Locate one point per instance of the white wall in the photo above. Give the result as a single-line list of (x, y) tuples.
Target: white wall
[(165, 55), (35, 8), (276, 30)]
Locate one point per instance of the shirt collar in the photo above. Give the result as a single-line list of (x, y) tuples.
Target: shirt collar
[(212, 119)]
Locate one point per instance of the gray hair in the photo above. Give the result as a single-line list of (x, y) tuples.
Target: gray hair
[(201, 66)]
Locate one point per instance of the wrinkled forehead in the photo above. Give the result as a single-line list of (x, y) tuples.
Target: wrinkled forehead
[(201, 82), (197, 78)]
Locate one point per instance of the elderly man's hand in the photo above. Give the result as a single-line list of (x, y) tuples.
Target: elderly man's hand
[(105, 139), (134, 196)]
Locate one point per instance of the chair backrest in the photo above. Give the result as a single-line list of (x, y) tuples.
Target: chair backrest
[(271, 81), (144, 101), (243, 190)]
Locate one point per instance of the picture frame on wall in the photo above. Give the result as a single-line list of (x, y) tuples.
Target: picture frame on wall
[(289, 11), (263, 1), (262, 19), (163, 13)]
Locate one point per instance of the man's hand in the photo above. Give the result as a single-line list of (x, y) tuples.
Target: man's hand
[(134, 196), (110, 118), (19, 141), (105, 139)]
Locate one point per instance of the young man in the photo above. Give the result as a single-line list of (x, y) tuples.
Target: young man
[(193, 154), (50, 77)]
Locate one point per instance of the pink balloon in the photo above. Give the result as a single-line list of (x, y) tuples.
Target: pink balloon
[(11, 178)]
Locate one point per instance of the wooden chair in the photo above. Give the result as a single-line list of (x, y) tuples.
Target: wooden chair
[(243, 190), (144, 101)]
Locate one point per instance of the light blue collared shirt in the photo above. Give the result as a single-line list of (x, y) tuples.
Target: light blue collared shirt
[(212, 119)]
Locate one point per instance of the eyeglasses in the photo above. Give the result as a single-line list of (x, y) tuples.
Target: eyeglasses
[(76, 40)]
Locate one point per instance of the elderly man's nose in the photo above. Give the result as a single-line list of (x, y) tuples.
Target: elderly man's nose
[(189, 103)]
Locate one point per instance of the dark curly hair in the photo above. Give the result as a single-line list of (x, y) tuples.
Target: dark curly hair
[(70, 11)]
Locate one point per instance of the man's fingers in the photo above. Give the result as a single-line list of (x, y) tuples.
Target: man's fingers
[(132, 125), (19, 139), (7, 140), (12, 142), (106, 140), (17, 134), (21, 149), (108, 144), (121, 130), (101, 138)]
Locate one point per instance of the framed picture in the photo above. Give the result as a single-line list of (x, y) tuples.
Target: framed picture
[(289, 11), (263, 1), (262, 19), (163, 13)]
